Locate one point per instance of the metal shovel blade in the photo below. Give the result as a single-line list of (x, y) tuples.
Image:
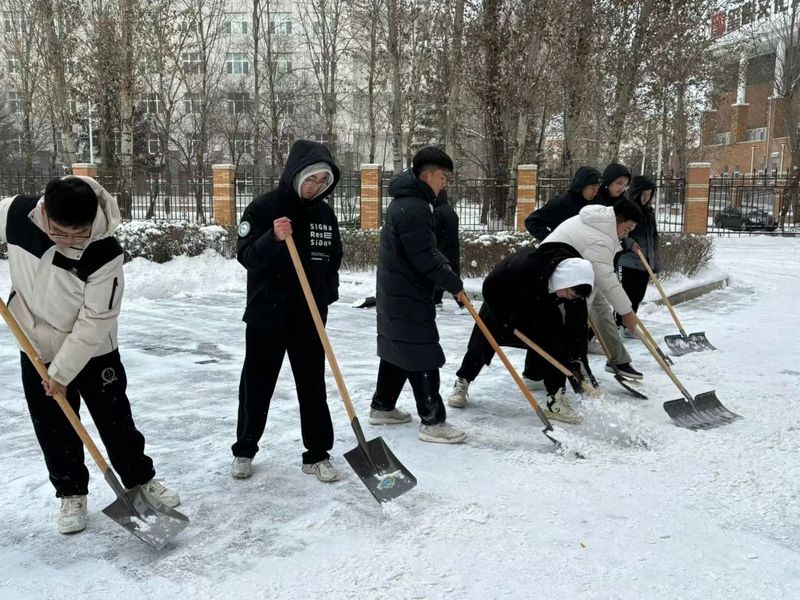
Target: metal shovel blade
[(385, 477), (705, 412), (633, 392), (151, 521), (694, 342)]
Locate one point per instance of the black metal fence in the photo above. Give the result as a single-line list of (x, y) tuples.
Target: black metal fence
[(748, 205), (18, 182), (178, 198)]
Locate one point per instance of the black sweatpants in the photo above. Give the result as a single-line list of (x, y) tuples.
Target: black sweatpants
[(101, 384), (480, 353), (263, 358), (424, 384), (634, 282)]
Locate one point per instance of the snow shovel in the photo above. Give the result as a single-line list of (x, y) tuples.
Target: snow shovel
[(679, 344), (385, 477), (548, 427), (585, 385), (704, 411), (136, 510), (619, 378)]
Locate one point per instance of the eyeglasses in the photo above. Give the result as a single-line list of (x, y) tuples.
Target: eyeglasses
[(63, 235), (316, 181)]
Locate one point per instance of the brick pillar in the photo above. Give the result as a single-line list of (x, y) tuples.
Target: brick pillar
[(708, 125), (224, 197), (695, 218), (739, 122), (527, 182), (85, 170), (777, 118), (370, 196)]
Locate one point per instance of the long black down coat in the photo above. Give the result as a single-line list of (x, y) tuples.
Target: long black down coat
[(409, 269), (516, 292), (274, 297)]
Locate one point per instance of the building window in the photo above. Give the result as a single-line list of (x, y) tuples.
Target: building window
[(286, 142), (15, 23), (194, 145), (237, 63), (756, 134), (722, 138), (192, 104), (237, 24), (192, 62), (151, 104), (242, 145), (15, 102), (281, 24), (154, 146), (14, 65), (238, 103), (282, 66)]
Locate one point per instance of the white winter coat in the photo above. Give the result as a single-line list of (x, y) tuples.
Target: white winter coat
[(593, 233), (65, 299)]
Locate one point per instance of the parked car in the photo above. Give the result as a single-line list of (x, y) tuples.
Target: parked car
[(737, 220)]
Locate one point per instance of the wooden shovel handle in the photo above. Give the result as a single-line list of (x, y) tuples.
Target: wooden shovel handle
[(664, 297), (647, 340), (589, 389), (34, 357), (323, 335), (496, 347)]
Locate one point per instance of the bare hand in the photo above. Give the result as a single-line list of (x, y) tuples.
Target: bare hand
[(636, 248), (629, 320), (52, 387), (282, 228)]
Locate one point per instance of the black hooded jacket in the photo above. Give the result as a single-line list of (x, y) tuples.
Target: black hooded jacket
[(646, 233), (274, 296), (445, 228), (540, 223), (610, 173), (409, 269), (517, 295)]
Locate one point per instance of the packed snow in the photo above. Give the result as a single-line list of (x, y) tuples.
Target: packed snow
[(653, 511)]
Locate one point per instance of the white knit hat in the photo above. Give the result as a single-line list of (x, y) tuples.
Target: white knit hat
[(311, 170), (569, 273)]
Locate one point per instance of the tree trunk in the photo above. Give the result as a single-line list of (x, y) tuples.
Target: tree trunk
[(575, 84), (454, 90), (395, 58), (257, 152), (126, 92)]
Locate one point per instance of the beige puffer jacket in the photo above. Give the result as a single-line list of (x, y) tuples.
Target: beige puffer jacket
[(65, 299)]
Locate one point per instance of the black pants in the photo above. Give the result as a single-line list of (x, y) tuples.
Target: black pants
[(263, 358), (634, 282), (101, 384), (425, 385), (480, 353)]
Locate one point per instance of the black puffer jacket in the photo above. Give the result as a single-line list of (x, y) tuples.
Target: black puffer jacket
[(646, 232), (274, 297), (445, 228), (516, 292), (409, 269), (610, 173), (540, 223)]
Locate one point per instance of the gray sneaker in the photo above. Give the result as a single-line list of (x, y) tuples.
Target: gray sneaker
[(242, 467), (442, 433), (323, 470), (460, 394), (388, 417), (72, 514)]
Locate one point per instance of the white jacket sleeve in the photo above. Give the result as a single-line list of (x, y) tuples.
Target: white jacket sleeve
[(97, 320), (5, 205), (605, 279)]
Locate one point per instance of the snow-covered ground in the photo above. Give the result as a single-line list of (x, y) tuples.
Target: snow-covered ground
[(654, 511)]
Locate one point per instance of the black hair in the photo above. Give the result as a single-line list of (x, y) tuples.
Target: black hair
[(628, 210), (582, 290), (430, 156), (70, 202)]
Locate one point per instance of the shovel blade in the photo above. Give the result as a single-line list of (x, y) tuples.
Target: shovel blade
[(385, 477), (632, 391), (152, 521), (694, 342), (705, 412)]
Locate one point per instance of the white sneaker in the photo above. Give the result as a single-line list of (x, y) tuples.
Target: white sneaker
[(460, 394), (594, 347), (440, 307), (242, 467), (559, 409), (533, 385), (443, 433), (72, 514), (162, 493), (388, 417), (323, 470)]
